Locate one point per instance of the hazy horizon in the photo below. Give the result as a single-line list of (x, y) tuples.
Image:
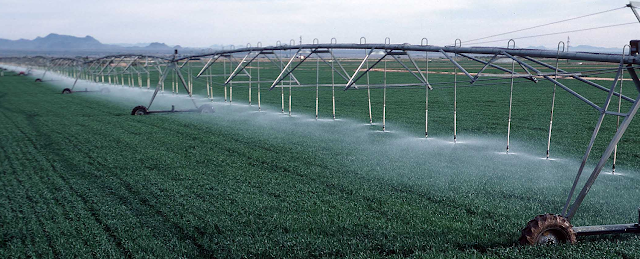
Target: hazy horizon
[(206, 23)]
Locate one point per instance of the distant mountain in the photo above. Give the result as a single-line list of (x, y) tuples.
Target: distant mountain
[(71, 44), (158, 45), (53, 42)]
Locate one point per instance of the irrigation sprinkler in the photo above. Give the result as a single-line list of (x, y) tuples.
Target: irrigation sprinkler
[(615, 149), (333, 80), (259, 44), (292, 42), (425, 42), (224, 69), (250, 78), (553, 98), (545, 228), (513, 68), (230, 83), (455, 95), (363, 40), (384, 98), (316, 41)]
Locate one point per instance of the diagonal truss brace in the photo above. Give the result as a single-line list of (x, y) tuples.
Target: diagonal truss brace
[(579, 78), (574, 93), (457, 65), (281, 76), (210, 62), (342, 73), (490, 63), (241, 66), (353, 79), (614, 141), (607, 153)]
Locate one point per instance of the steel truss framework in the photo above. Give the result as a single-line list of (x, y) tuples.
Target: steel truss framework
[(242, 60)]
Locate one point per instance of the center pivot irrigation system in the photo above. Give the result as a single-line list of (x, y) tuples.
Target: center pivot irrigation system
[(533, 65)]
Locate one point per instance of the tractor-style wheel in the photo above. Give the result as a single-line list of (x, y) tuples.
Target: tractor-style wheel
[(206, 108), (105, 90), (548, 229), (38, 80), (140, 110), (66, 91)]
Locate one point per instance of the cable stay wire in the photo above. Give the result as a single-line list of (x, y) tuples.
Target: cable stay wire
[(556, 33), (546, 24)]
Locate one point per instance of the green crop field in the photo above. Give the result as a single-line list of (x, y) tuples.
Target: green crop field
[(80, 177)]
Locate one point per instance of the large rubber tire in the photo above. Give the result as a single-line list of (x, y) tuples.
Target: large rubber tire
[(105, 90), (66, 91), (139, 110), (206, 108), (38, 80), (548, 229)]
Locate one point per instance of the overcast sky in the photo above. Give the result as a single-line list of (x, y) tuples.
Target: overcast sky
[(199, 23)]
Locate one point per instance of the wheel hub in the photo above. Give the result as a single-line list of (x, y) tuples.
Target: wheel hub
[(549, 237)]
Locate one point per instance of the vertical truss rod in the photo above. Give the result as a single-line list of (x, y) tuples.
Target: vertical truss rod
[(615, 150), (426, 97), (513, 68), (317, 83), (384, 98), (333, 87), (553, 100)]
